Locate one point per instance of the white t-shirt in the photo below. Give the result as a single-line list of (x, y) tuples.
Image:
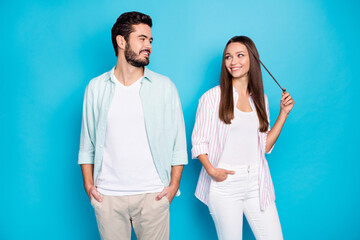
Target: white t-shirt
[(128, 167), (242, 143)]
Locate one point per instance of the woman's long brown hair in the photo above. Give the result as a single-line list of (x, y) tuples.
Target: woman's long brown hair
[(255, 86)]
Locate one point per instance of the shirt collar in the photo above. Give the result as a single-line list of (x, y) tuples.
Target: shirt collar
[(147, 75)]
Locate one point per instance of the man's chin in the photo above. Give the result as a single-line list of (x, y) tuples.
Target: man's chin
[(139, 64), (145, 61)]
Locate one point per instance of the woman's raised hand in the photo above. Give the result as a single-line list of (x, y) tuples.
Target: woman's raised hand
[(286, 102)]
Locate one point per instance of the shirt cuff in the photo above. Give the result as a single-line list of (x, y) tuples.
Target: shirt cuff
[(179, 158), (265, 136), (199, 149), (85, 158)]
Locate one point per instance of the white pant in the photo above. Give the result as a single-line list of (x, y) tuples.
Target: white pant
[(239, 194)]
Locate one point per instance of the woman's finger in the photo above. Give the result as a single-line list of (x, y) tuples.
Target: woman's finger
[(287, 98), (286, 103), (284, 96), (289, 102), (230, 172)]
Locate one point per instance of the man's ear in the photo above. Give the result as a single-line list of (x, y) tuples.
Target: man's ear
[(120, 40)]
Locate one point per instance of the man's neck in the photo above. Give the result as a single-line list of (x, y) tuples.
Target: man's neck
[(127, 74)]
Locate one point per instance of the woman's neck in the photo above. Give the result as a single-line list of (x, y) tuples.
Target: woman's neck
[(241, 85)]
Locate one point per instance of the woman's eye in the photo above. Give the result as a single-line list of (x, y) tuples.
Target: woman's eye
[(240, 55), (227, 57)]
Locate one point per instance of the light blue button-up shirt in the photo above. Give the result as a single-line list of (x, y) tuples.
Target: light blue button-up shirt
[(164, 122)]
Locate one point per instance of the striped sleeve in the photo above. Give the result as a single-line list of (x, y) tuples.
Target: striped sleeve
[(202, 129), (269, 128)]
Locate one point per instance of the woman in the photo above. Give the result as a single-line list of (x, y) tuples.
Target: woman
[(230, 138)]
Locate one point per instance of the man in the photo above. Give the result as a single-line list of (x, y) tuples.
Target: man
[(132, 146)]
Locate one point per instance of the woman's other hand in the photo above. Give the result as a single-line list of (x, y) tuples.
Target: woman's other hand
[(220, 174)]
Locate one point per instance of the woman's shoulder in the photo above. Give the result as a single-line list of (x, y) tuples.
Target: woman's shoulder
[(212, 94), (266, 99), (211, 98)]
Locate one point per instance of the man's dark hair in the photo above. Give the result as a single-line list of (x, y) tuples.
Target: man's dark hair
[(123, 26)]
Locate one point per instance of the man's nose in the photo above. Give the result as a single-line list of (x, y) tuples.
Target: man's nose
[(148, 45)]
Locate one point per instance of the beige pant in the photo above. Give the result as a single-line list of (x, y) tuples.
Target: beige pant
[(116, 214)]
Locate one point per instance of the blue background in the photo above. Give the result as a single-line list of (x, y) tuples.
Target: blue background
[(51, 49)]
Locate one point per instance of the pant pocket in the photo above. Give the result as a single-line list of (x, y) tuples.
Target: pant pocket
[(167, 201), (221, 184), (95, 203)]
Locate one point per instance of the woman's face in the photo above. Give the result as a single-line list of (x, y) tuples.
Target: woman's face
[(237, 60)]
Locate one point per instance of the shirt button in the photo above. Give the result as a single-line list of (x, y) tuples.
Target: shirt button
[(103, 128), (101, 145)]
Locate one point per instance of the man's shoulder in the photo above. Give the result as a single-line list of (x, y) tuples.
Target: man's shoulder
[(99, 81), (158, 78)]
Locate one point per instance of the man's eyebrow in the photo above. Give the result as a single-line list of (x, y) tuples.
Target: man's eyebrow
[(142, 35)]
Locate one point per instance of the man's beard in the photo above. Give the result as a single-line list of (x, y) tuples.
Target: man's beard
[(130, 57)]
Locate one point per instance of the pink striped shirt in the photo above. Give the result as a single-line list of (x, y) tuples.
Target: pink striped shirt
[(209, 137)]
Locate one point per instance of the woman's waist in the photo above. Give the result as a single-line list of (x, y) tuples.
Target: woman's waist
[(246, 168)]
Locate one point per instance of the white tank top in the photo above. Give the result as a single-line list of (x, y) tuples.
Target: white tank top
[(128, 167), (242, 143)]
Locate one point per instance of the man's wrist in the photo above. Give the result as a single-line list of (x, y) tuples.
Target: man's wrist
[(174, 185), (88, 187)]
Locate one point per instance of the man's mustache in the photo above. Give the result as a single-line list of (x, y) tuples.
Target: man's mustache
[(145, 50)]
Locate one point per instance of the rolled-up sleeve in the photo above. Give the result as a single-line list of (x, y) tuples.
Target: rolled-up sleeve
[(201, 134), (179, 156), (86, 152), (269, 128)]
